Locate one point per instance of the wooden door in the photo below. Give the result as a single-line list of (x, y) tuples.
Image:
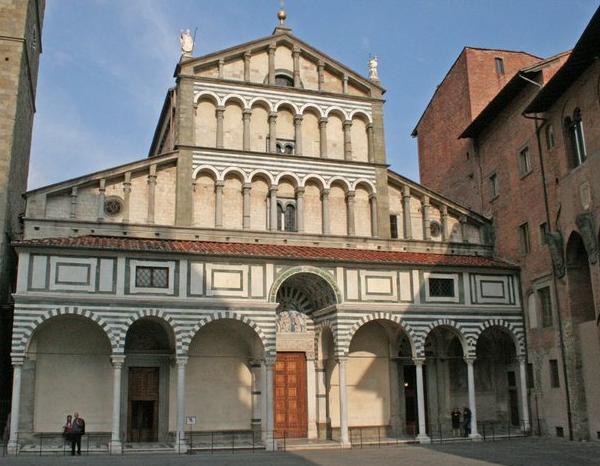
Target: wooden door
[(291, 417), (142, 413)]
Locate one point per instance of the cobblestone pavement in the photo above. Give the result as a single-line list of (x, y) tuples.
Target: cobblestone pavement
[(527, 452)]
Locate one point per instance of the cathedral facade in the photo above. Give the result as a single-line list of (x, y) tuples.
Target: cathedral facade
[(262, 270)]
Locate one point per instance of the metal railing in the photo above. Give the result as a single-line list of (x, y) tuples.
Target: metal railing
[(55, 443)]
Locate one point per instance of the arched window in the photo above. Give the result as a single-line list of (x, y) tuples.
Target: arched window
[(574, 128), (284, 80), (286, 216)]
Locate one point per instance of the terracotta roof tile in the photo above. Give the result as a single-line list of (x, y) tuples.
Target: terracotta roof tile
[(214, 248)]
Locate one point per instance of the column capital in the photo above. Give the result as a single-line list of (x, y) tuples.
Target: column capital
[(300, 191), (522, 358), (273, 188), (272, 47), (269, 361), (220, 110), (117, 360), (347, 124), (246, 186), (17, 359), (425, 201), (369, 126), (255, 362), (469, 360), (247, 113), (323, 121), (272, 115), (462, 219), (247, 54), (405, 191), (444, 209), (372, 196), (219, 184), (325, 192), (419, 361), (181, 360), (321, 64), (298, 117), (341, 360), (350, 195)]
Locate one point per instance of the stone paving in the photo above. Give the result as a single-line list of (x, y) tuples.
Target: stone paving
[(525, 452)]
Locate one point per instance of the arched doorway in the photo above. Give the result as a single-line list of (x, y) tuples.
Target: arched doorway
[(149, 349), (298, 297)]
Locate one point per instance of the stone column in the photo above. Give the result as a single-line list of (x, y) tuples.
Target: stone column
[(273, 132), (151, 193), (296, 58), (126, 197), (73, 211), (115, 441), (422, 437), (325, 211), (246, 116), (350, 195), (298, 133), (311, 395), (263, 401), (255, 368), (322, 401), (472, 403), (247, 56), (219, 184), (407, 223), (273, 206), (444, 215), (345, 84), (463, 228), (101, 199), (374, 226), (246, 189), (272, 48), (348, 140), (220, 113), (426, 221), (323, 136), (300, 209), (524, 398), (221, 65), (270, 444), (370, 143), (13, 445), (344, 436), (394, 393), (180, 443), (321, 74)]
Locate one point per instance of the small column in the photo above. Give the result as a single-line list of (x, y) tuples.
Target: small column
[(270, 444), (426, 221), (220, 113), (101, 199), (273, 205), (321, 74), (348, 140), (115, 441), (272, 48), (350, 195), (219, 203), (325, 212), (247, 57), (126, 196), (407, 223), (246, 189), (463, 228), (255, 368), (180, 444), (322, 418), (323, 136), (246, 117), (345, 84), (444, 216), (296, 58), (311, 395), (370, 143), (151, 193), (13, 445), (73, 212), (273, 132), (524, 398), (300, 209), (374, 224), (344, 437), (395, 419), (298, 133), (422, 437), (472, 404), (221, 65)]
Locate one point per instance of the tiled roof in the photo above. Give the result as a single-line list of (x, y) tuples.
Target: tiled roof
[(213, 248)]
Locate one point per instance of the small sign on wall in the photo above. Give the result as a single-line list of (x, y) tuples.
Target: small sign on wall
[(190, 420)]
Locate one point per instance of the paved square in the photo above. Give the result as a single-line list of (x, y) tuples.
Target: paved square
[(527, 452)]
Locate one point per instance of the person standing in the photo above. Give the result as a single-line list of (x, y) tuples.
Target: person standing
[(467, 421), (68, 429), (78, 431), (455, 416)]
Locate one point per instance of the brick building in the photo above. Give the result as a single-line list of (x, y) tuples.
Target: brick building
[(20, 48), (529, 160)]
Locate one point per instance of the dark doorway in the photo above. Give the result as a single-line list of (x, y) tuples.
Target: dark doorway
[(513, 399), (411, 401), (142, 415)]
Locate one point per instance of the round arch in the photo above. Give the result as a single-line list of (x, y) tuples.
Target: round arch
[(259, 172), (205, 168), (340, 111), (155, 314), (361, 114), (312, 108), (467, 343), (363, 182), (209, 95), (261, 101), (291, 175), (342, 181), (289, 104), (510, 329), (238, 99), (238, 171), (305, 269), (314, 177)]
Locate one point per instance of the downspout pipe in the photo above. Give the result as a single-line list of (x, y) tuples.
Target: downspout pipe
[(538, 127)]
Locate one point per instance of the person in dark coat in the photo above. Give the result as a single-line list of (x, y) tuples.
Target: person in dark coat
[(455, 416), (467, 421), (68, 429), (77, 431)]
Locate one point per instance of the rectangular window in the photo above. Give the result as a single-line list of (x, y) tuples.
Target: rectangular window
[(554, 379), (441, 287), (152, 277), (499, 65), (394, 226), (543, 232), (546, 306), (493, 186), (524, 161), (524, 238), (512, 379), (530, 379), (574, 128), (286, 215), (550, 140)]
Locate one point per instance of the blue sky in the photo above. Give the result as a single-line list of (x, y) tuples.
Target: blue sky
[(107, 64)]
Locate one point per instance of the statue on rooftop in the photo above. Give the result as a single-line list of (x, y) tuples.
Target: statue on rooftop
[(373, 63), (187, 43)]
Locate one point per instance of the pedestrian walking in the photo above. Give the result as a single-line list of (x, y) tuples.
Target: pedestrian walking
[(467, 421)]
